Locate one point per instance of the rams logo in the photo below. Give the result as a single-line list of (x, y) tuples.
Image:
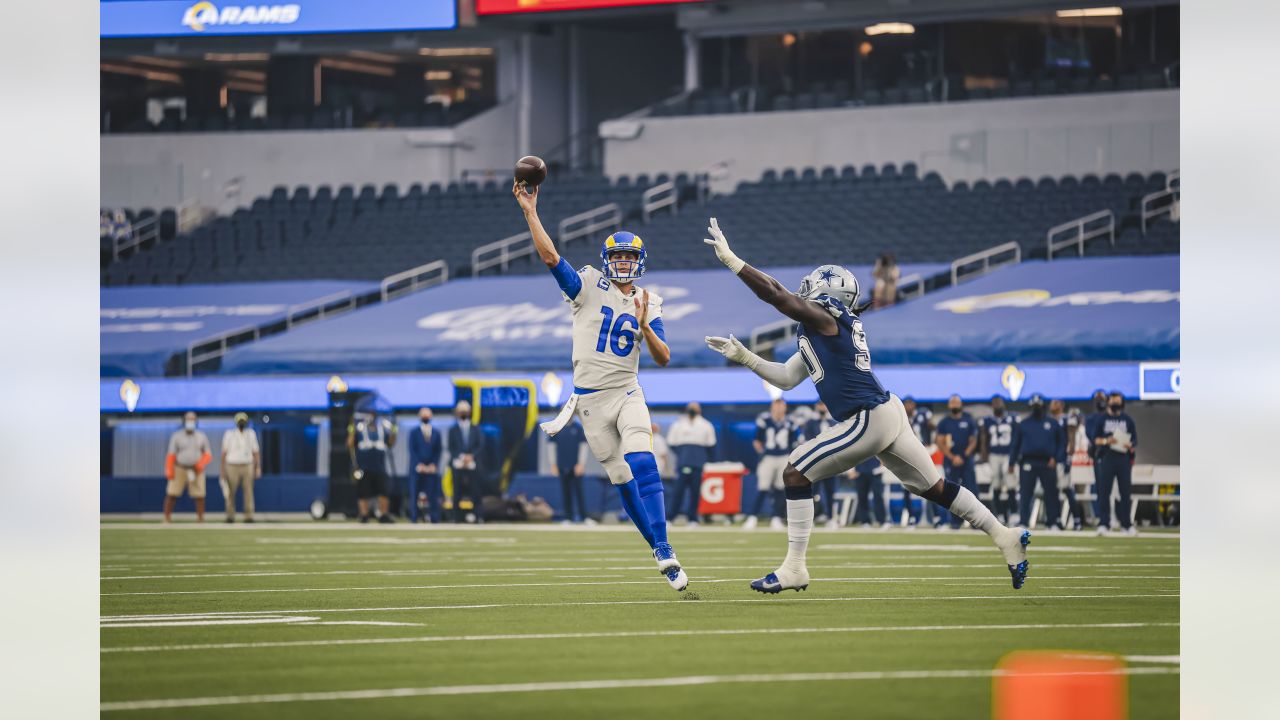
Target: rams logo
[(204, 14)]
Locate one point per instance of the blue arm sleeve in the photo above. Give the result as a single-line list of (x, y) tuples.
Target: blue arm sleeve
[(567, 279), (656, 324)]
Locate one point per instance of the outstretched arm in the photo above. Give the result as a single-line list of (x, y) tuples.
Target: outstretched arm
[(770, 290), (782, 375), (541, 240), (563, 272)]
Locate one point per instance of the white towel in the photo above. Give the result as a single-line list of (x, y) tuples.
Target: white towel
[(565, 416)]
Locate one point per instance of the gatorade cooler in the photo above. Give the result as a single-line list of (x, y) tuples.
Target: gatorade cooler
[(721, 492)]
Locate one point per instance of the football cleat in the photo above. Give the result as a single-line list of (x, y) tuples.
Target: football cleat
[(677, 579), (1015, 554), (666, 558), (772, 584)]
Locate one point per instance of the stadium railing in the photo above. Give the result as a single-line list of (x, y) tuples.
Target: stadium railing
[(985, 258), (658, 197), (500, 253), (1104, 222), (208, 350)]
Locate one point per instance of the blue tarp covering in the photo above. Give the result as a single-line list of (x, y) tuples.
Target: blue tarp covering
[(142, 327), (511, 323), (1090, 309)]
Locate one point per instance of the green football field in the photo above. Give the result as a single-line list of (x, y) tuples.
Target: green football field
[(343, 620)]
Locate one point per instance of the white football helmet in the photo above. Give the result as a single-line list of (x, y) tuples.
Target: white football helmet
[(831, 280)]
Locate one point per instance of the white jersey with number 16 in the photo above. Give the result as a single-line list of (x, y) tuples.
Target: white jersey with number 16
[(607, 340)]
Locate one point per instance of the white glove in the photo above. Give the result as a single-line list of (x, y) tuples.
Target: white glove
[(721, 245), (734, 350)]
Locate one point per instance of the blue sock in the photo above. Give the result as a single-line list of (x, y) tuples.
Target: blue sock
[(630, 493), (644, 468)]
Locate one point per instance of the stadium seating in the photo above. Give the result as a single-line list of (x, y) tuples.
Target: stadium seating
[(362, 233), (788, 218), (820, 95), (814, 215)]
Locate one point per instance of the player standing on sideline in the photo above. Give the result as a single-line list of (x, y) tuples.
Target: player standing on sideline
[(826, 486), (1037, 445), (922, 424), (958, 437), (1116, 438), (775, 437), (994, 443), (1095, 453), (611, 319), (1069, 422), (833, 352)]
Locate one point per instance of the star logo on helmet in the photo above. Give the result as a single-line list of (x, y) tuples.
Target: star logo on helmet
[(827, 276)]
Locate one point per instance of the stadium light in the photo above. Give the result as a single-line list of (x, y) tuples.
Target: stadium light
[(890, 28), (1091, 12)]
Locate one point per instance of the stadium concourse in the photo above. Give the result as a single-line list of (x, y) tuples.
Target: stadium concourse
[(313, 272)]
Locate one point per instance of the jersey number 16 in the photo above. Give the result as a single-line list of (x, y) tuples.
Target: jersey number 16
[(615, 335)]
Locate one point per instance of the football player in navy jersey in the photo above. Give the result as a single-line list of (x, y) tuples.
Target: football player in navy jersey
[(776, 435), (826, 486), (922, 423), (993, 446), (834, 354)]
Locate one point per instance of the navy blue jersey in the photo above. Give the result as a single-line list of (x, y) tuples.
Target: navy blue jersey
[(999, 432), (1116, 426), (960, 429), (920, 423), (840, 364), (778, 437), (1038, 438)]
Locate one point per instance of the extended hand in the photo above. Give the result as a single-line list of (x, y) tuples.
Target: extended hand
[(528, 200), (721, 245), (730, 347), (642, 307)]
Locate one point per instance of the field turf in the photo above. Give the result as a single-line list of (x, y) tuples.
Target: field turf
[(342, 620)]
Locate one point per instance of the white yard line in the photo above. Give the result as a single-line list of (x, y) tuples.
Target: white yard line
[(619, 634), (616, 684), (678, 602), (612, 582), (525, 570)]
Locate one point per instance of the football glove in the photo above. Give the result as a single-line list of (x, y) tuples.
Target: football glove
[(733, 349), (721, 246)]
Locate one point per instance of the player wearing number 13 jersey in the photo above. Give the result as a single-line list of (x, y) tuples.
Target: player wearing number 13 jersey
[(834, 354), (612, 321)]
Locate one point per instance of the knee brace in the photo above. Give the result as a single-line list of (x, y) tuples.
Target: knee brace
[(644, 468)]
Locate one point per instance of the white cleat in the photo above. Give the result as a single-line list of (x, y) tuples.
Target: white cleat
[(1131, 531), (833, 524), (777, 524), (1013, 545), (750, 522), (589, 522), (1103, 531), (677, 579), (781, 579)]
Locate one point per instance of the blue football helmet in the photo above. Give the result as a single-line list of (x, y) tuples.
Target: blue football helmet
[(619, 242)]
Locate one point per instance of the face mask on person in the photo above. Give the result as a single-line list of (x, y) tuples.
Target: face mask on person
[(189, 425), (425, 420), (1116, 408), (242, 424), (1100, 403), (1037, 410), (691, 413), (955, 411)]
